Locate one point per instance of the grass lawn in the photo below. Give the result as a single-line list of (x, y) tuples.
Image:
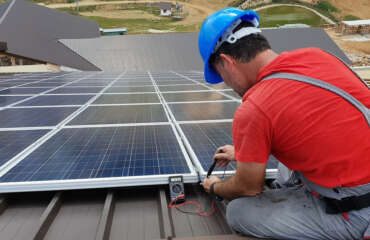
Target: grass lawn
[(277, 16)]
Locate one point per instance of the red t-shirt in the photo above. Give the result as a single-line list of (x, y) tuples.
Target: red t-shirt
[(307, 128)]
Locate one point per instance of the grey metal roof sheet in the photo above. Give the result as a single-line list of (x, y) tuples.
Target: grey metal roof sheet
[(32, 31), (179, 51)]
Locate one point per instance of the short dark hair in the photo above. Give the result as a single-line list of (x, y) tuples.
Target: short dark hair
[(243, 50)]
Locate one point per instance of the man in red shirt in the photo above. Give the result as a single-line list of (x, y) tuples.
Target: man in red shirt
[(311, 112)]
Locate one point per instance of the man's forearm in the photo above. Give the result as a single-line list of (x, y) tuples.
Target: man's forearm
[(231, 189)]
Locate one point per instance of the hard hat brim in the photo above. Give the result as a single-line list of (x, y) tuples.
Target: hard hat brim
[(211, 76)]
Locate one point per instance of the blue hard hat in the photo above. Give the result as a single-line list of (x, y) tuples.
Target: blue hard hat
[(213, 28)]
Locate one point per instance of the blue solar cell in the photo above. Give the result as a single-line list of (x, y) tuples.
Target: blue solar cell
[(205, 138), (77, 90), (130, 89), (46, 100), (7, 100), (120, 114), (204, 111), (33, 117), (23, 91), (103, 152), (193, 96), (182, 88), (127, 98), (13, 142)]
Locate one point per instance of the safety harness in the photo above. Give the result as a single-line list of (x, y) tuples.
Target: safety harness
[(335, 203)]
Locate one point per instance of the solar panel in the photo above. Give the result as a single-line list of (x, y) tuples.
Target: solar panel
[(121, 114), (47, 100), (13, 142), (23, 91), (109, 129), (193, 96), (129, 89), (103, 153), (205, 138), (7, 100), (67, 90), (204, 111), (127, 98), (192, 87), (33, 117)]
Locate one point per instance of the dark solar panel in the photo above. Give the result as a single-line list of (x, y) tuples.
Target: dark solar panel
[(13, 142), (192, 87), (131, 84), (129, 89), (67, 90), (103, 152), (127, 98), (46, 100), (33, 117), (204, 111), (7, 100), (23, 91), (44, 84), (205, 138), (120, 114), (193, 96)]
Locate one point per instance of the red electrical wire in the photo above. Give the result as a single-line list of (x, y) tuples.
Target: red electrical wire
[(193, 203)]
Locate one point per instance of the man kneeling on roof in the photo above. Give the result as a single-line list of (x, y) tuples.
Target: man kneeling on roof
[(311, 112)]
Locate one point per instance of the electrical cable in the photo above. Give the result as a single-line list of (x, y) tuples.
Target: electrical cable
[(199, 213)]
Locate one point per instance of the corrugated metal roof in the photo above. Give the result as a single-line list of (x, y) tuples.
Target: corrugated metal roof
[(124, 214), (179, 51), (32, 31)]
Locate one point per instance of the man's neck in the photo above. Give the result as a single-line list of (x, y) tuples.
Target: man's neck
[(251, 69)]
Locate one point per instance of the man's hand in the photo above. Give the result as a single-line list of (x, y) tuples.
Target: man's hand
[(224, 155), (208, 181)]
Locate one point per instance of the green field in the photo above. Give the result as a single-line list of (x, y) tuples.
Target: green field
[(277, 16), (271, 17)]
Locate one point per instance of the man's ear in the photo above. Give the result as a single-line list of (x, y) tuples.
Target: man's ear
[(226, 60)]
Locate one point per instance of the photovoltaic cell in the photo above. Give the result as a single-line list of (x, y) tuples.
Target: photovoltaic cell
[(129, 89), (127, 98), (23, 91), (205, 138), (33, 117), (103, 152), (192, 87), (204, 111), (77, 90), (13, 142), (46, 100), (120, 114), (193, 96), (7, 100)]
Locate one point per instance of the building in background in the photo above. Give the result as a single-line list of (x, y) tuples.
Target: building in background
[(30, 33), (352, 27)]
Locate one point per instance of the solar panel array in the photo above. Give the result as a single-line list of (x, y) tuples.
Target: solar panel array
[(89, 130)]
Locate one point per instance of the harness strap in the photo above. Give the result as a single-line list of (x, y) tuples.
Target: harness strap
[(327, 86)]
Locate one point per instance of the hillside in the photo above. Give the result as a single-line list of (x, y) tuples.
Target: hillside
[(358, 8)]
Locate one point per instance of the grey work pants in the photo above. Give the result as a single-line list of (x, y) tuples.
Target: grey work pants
[(293, 213)]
